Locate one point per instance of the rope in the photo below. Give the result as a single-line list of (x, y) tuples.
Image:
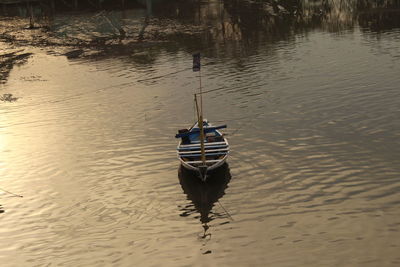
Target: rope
[(11, 193), (227, 213), (209, 91)]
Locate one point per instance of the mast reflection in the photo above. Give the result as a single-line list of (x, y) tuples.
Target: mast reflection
[(204, 195)]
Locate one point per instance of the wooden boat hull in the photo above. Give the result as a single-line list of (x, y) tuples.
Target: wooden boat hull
[(209, 168), (216, 150)]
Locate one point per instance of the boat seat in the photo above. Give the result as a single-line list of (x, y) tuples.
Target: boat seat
[(207, 154), (205, 147)]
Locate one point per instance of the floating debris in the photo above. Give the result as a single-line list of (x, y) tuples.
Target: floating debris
[(8, 98), (74, 54)]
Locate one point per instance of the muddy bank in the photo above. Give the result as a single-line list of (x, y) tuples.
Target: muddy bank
[(96, 32), (114, 30)]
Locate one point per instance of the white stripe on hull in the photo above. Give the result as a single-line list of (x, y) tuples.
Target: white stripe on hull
[(214, 164), (210, 168)]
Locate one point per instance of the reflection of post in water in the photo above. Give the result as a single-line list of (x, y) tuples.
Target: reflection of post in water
[(149, 7), (204, 194), (146, 19), (31, 18)]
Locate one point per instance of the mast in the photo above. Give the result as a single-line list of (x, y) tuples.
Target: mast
[(200, 124), (197, 67)]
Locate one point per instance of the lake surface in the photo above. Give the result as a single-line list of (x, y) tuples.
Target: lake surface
[(312, 104)]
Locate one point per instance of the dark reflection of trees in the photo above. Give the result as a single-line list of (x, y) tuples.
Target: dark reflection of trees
[(210, 25), (378, 15), (8, 61), (280, 20), (20, 7), (233, 24), (204, 195)]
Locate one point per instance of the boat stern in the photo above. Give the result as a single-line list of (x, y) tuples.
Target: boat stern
[(203, 172)]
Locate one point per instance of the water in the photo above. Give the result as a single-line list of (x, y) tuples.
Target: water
[(312, 107)]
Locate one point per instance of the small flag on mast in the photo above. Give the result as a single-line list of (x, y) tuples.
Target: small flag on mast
[(196, 62)]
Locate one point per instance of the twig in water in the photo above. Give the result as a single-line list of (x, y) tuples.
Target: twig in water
[(11, 193)]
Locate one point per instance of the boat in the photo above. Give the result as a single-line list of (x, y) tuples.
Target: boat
[(202, 148), (216, 148)]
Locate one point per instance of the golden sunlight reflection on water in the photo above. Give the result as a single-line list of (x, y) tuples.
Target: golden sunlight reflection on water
[(313, 122)]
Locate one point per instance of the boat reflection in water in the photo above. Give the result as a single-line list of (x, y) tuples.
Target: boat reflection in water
[(204, 195)]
